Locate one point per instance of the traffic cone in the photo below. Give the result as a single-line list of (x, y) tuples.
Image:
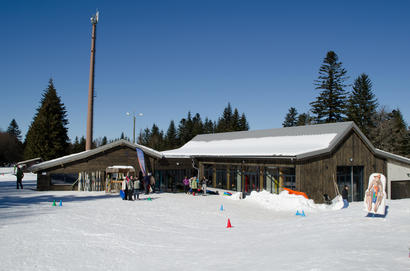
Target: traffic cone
[(61, 203), (303, 213), (297, 213), (222, 207), (149, 199), (54, 203), (229, 224)]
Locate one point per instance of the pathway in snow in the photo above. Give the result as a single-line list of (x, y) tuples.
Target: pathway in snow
[(95, 231)]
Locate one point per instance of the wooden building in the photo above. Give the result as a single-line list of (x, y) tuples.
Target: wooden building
[(86, 170), (305, 158)]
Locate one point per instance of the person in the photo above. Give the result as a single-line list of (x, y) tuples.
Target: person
[(194, 185), (185, 182), (124, 188), (19, 175), (152, 183), (345, 196), (374, 195), (130, 186), (146, 183), (137, 188), (203, 183)]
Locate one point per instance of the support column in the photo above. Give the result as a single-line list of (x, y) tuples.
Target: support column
[(228, 175), (214, 175), (261, 178), (281, 180)]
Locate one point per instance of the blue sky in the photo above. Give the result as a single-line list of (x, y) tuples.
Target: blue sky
[(164, 58)]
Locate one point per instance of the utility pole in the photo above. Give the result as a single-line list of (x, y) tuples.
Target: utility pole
[(90, 115)]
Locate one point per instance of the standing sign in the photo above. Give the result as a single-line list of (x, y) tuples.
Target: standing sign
[(375, 195), (141, 161)]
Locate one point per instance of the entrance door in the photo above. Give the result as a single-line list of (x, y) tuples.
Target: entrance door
[(351, 176)]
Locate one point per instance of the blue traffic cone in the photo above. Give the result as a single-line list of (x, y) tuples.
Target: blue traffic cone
[(303, 213), (222, 207), (61, 203), (297, 213)]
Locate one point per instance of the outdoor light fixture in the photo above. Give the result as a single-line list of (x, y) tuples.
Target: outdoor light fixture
[(133, 131)]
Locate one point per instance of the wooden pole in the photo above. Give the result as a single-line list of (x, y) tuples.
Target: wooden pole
[(90, 115)]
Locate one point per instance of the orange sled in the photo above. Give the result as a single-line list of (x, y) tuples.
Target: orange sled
[(296, 192)]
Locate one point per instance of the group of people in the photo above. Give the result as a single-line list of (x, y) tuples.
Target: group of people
[(193, 185), (133, 186)]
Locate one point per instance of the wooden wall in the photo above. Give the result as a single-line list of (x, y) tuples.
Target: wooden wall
[(314, 176), (121, 155)]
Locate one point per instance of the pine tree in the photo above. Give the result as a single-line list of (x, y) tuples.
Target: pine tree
[(47, 135), (291, 118), (399, 132), (225, 122), (362, 104), (243, 123), (330, 104), (304, 119), (235, 125), (171, 140), (209, 126), (14, 130)]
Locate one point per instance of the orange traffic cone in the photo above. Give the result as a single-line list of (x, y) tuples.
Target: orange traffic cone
[(229, 224)]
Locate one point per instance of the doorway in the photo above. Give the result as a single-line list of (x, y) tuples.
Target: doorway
[(351, 176)]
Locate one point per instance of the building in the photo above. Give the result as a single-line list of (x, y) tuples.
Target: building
[(310, 158), (305, 158)]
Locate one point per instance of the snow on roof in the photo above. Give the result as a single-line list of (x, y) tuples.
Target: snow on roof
[(262, 146)]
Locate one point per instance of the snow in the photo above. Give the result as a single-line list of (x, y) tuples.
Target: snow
[(264, 146), (98, 231), (287, 202)]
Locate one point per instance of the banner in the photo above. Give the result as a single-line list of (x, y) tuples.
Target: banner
[(141, 161)]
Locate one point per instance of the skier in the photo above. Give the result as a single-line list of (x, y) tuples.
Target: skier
[(345, 196), (19, 175)]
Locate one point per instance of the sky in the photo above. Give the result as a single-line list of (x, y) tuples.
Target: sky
[(165, 58)]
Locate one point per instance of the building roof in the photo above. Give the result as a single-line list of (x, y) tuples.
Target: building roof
[(89, 153), (291, 142)]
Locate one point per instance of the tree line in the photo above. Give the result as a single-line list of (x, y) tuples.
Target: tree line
[(387, 130), (47, 136)]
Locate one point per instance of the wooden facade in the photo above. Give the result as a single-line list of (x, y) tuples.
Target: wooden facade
[(96, 164), (315, 176)]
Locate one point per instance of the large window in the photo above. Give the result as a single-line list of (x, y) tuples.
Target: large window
[(272, 179), (63, 179), (289, 179), (221, 178), (344, 177)]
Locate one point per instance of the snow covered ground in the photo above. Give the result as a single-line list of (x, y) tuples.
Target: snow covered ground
[(95, 231)]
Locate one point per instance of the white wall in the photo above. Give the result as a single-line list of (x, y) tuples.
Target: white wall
[(396, 173)]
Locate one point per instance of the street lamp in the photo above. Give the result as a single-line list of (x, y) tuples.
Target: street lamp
[(134, 117)]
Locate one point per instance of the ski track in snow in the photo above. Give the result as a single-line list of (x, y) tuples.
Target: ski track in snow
[(95, 231)]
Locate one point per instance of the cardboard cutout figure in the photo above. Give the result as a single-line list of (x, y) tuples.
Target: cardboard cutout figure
[(375, 195)]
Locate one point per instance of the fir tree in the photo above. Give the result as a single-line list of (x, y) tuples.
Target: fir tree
[(47, 135), (330, 104), (243, 123), (171, 140), (304, 119), (290, 118), (362, 104), (14, 130), (209, 126)]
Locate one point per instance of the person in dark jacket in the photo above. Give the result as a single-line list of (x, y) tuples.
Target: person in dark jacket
[(19, 175), (345, 196), (147, 180)]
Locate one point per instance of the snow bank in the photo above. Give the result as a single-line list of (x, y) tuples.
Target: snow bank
[(287, 202)]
